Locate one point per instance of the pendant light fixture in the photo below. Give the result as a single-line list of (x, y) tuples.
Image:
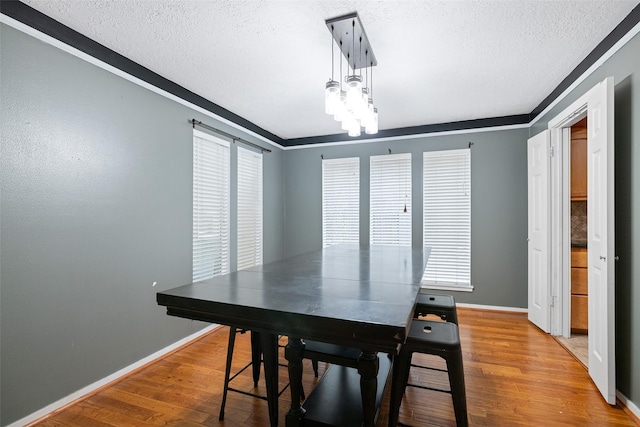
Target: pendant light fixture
[(350, 101)]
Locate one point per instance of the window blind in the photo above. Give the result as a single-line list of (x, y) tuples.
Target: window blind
[(340, 201), (249, 208), (447, 217), (210, 206), (390, 200)]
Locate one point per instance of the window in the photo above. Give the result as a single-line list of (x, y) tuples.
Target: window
[(249, 208), (340, 201), (390, 200), (447, 217), (210, 206)]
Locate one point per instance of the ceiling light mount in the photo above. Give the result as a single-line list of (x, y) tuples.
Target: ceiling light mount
[(349, 100), (344, 29)]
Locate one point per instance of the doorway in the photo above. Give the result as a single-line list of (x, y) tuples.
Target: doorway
[(577, 342)]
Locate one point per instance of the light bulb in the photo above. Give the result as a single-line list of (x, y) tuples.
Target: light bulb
[(367, 114), (361, 106), (347, 120), (341, 107), (365, 97), (354, 130), (354, 92), (331, 96), (372, 126)]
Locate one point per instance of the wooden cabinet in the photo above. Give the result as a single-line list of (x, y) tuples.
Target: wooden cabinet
[(579, 281), (579, 290), (579, 160), (579, 262), (579, 313)]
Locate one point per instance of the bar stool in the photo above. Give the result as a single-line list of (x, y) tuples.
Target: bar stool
[(314, 350), (440, 305), (438, 338), (256, 356)]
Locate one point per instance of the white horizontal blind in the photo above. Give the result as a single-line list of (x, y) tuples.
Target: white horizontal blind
[(249, 208), (447, 217), (340, 201), (210, 206), (390, 201)]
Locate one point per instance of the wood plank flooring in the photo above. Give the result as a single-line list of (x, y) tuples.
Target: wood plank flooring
[(515, 376)]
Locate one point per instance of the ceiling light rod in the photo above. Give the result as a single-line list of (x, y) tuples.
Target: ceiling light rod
[(341, 28)]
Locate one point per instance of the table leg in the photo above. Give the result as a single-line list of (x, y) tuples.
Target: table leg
[(269, 343), (368, 365), (256, 356), (293, 354)]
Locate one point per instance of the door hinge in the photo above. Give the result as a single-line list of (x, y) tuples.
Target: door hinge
[(553, 301), (551, 152)]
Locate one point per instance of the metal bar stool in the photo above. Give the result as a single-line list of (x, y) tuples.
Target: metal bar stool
[(256, 358), (440, 305), (438, 338)]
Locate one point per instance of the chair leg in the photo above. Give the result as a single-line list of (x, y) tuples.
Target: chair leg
[(401, 366), (227, 371), (314, 363), (456, 381)]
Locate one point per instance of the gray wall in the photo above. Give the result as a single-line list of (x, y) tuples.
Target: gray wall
[(498, 205), (624, 66), (96, 195)]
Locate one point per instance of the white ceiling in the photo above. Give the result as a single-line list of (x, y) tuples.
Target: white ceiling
[(268, 61)]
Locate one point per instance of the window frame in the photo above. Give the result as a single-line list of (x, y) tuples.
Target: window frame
[(252, 231), (386, 226), (450, 256), (340, 198), (211, 187)]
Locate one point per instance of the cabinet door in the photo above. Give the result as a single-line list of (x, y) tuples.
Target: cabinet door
[(579, 284), (579, 257), (578, 168), (579, 312)]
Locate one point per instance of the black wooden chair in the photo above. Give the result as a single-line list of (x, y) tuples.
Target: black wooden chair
[(437, 338), (314, 350)]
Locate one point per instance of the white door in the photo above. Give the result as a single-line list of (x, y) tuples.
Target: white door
[(600, 231), (538, 230)]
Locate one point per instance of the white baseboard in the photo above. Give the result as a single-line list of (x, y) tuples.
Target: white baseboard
[(493, 307), (629, 404), (104, 381)]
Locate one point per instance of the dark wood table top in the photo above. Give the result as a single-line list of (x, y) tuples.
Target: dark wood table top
[(343, 294)]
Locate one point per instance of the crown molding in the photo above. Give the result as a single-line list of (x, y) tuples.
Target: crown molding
[(42, 23)]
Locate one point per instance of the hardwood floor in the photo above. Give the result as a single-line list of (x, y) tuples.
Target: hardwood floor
[(515, 376)]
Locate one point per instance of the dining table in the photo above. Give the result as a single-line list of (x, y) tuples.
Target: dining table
[(361, 296)]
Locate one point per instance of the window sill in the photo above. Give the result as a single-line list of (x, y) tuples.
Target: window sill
[(465, 288)]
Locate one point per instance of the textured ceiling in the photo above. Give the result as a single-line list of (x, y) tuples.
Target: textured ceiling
[(268, 61)]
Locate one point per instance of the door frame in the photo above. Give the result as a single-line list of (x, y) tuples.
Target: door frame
[(601, 345), (560, 128)]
